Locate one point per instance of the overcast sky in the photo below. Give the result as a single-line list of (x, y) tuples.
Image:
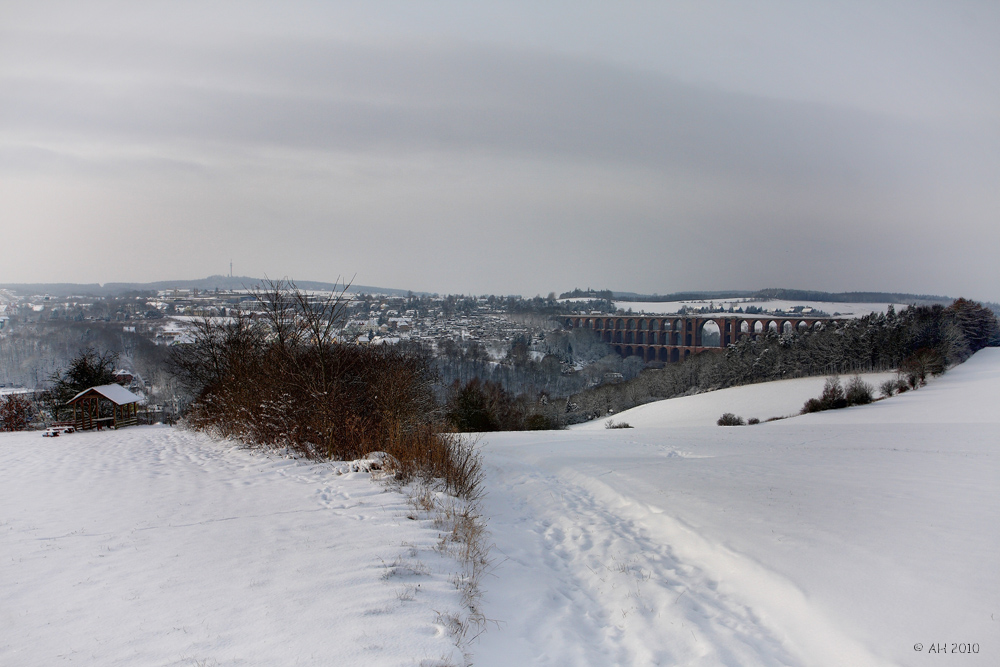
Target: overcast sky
[(515, 147)]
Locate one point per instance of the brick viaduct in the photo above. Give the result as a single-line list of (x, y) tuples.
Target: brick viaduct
[(672, 338)]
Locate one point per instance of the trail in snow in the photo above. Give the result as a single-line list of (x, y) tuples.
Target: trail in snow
[(831, 539), (838, 538), (618, 582)]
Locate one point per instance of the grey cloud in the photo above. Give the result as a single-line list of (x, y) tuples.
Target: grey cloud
[(346, 97), (523, 169)]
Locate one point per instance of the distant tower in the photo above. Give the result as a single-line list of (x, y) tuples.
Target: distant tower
[(230, 268)]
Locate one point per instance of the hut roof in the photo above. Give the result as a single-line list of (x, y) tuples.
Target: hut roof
[(115, 393)]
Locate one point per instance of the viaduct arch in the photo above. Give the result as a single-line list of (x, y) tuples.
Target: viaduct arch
[(671, 338)]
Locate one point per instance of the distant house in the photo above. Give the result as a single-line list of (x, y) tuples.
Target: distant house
[(107, 405), (123, 377)]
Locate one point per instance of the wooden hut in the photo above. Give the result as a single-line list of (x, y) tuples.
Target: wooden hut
[(107, 405)]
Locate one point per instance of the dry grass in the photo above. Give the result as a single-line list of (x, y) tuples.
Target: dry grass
[(462, 536), (450, 457)]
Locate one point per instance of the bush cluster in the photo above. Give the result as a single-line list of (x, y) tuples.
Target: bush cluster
[(729, 419), (283, 380), (836, 396), (16, 413)]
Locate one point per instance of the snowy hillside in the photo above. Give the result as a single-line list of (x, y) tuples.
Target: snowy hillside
[(763, 401), (839, 538), (155, 546), (852, 537)]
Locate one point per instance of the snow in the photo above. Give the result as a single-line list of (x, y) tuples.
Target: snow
[(113, 392), (157, 546), (783, 398), (837, 538)]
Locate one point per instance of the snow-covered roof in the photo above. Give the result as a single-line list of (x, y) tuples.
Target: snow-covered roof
[(115, 393)]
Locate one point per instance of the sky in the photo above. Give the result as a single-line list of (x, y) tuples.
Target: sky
[(505, 147)]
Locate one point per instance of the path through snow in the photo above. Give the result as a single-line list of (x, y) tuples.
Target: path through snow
[(842, 538), (838, 538)]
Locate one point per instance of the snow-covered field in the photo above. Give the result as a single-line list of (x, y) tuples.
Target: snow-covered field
[(853, 537), (156, 546), (839, 538), (783, 398)]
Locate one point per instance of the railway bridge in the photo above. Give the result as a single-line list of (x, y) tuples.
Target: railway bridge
[(670, 338)]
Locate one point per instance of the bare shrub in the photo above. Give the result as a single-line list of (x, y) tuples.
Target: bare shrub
[(888, 388), (925, 361), (836, 396), (812, 405), (729, 419), (858, 392), (752, 421), (611, 423), (452, 457), (282, 379), (833, 396), (16, 413)]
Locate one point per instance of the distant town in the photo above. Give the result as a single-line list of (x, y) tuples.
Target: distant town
[(539, 346)]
